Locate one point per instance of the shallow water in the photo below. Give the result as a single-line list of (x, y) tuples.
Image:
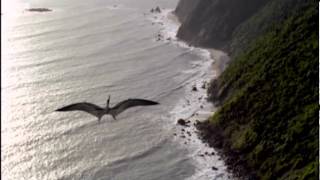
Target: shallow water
[(85, 51)]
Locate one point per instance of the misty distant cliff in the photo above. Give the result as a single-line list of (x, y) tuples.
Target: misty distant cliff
[(231, 24), (210, 23)]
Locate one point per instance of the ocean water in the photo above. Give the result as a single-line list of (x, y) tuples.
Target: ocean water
[(85, 51)]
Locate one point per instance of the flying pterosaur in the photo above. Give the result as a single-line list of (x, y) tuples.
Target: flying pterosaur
[(113, 111)]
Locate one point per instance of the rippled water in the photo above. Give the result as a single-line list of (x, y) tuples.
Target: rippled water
[(85, 51)]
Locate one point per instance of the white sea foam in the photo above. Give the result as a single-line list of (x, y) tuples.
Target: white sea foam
[(194, 106)]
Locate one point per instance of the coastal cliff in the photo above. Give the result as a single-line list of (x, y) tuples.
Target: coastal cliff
[(267, 118), (209, 23), (231, 25)]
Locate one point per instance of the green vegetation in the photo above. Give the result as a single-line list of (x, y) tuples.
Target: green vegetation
[(269, 113), (274, 12)]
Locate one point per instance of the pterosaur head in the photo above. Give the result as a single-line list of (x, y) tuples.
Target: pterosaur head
[(108, 103)]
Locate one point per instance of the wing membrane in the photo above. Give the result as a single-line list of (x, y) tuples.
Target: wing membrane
[(86, 107), (122, 106)]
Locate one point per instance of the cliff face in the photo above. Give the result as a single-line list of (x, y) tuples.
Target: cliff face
[(210, 23), (185, 8)]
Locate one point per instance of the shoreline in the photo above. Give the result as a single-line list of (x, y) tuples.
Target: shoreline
[(215, 139), (194, 107)]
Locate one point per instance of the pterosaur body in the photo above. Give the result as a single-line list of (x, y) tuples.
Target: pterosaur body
[(113, 111)]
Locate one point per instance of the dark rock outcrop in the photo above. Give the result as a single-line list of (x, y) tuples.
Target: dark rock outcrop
[(214, 168), (183, 122), (156, 10)]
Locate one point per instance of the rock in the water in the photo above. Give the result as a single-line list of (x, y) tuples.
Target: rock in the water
[(204, 85), (214, 168), (182, 122), (39, 9), (158, 10), (197, 123)]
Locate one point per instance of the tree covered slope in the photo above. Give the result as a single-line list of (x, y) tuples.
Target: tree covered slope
[(269, 101)]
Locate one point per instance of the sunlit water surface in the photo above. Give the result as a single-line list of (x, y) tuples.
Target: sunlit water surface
[(85, 51)]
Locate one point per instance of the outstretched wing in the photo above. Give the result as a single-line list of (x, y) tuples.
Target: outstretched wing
[(84, 106), (122, 106)]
